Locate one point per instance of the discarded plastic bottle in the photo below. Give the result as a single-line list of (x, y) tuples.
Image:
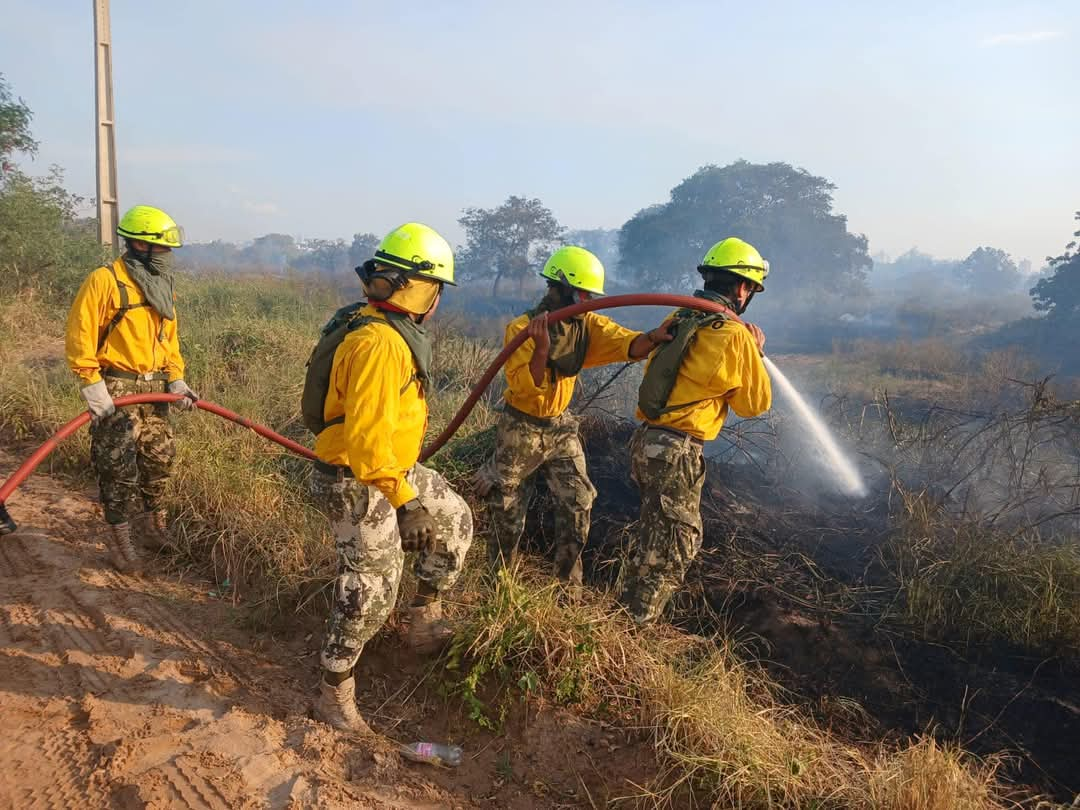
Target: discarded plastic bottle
[(433, 753)]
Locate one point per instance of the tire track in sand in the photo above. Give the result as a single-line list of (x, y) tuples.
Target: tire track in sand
[(155, 616), (49, 769), (189, 788), (77, 627), (72, 632), (16, 561)]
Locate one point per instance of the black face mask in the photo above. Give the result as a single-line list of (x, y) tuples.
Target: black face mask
[(557, 297)]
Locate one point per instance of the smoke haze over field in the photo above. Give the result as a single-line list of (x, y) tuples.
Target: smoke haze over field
[(943, 126)]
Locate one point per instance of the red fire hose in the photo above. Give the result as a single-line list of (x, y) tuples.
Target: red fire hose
[(611, 302), (7, 525)]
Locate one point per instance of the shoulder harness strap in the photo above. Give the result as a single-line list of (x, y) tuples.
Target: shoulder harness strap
[(662, 374), (354, 322), (125, 307)]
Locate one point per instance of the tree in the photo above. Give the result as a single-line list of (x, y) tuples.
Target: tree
[(1059, 294), (217, 255), (363, 247), (323, 255), (989, 270), (912, 271), (14, 127), (275, 250), (42, 239), (783, 211), (509, 241)]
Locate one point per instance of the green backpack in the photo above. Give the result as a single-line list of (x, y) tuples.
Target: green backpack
[(321, 362), (660, 376)]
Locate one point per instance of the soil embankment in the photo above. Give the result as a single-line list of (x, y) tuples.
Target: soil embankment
[(147, 692)]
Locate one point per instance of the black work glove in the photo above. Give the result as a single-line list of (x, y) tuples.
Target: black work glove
[(416, 527)]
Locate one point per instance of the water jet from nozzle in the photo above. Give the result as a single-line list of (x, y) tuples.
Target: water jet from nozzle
[(847, 476)]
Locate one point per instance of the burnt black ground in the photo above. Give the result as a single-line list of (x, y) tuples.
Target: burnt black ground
[(797, 583)]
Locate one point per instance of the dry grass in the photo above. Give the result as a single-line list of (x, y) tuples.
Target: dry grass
[(241, 509), (239, 503), (935, 370), (964, 580), (929, 776), (721, 736)]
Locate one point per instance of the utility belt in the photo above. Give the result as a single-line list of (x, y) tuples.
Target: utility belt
[(333, 470), (536, 421), (150, 376), (680, 433)]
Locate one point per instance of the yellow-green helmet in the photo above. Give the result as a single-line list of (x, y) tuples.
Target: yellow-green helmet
[(419, 250), (576, 267), (733, 255), (152, 225)]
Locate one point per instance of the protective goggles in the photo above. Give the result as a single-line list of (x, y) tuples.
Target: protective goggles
[(170, 236)]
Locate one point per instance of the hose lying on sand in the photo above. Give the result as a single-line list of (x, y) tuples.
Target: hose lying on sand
[(7, 525)]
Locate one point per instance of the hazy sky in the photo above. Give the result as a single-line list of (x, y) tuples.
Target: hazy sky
[(945, 125)]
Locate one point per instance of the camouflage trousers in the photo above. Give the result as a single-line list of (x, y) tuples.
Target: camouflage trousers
[(522, 449), (670, 472), (132, 451), (370, 559)]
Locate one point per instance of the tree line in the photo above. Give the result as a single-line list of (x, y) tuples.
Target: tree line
[(785, 211), (822, 269)]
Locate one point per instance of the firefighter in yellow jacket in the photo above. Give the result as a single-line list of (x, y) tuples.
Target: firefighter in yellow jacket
[(713, 364), (122, 339), (536, 433), (381, 502)]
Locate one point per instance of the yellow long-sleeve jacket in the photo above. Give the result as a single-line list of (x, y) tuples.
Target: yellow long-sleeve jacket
[(138, 344), (608, 343), (373, 383), (723, 369)]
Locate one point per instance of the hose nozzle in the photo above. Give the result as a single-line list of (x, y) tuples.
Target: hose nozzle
[(7, 525)]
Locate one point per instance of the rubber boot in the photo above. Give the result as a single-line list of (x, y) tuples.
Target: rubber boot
[(153, 530), (122, 552), (336, 707), (428, 631), (568, 570)]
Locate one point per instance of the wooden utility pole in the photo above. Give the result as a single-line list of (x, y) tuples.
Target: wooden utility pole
[(107, 198)]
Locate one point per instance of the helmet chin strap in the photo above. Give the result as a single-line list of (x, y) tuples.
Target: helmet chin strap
[(741, 308)]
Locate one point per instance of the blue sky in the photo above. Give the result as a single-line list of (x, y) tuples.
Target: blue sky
[(945, 125)]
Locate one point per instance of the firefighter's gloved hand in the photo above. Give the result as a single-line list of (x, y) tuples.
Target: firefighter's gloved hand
[(182, 388), (759, 336), (416, 527), (662, 333), (98, 401)]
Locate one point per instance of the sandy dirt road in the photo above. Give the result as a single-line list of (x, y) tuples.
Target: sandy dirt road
[(139, 692)]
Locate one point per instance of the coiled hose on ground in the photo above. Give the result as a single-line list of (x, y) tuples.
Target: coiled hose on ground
[(8, 525)]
